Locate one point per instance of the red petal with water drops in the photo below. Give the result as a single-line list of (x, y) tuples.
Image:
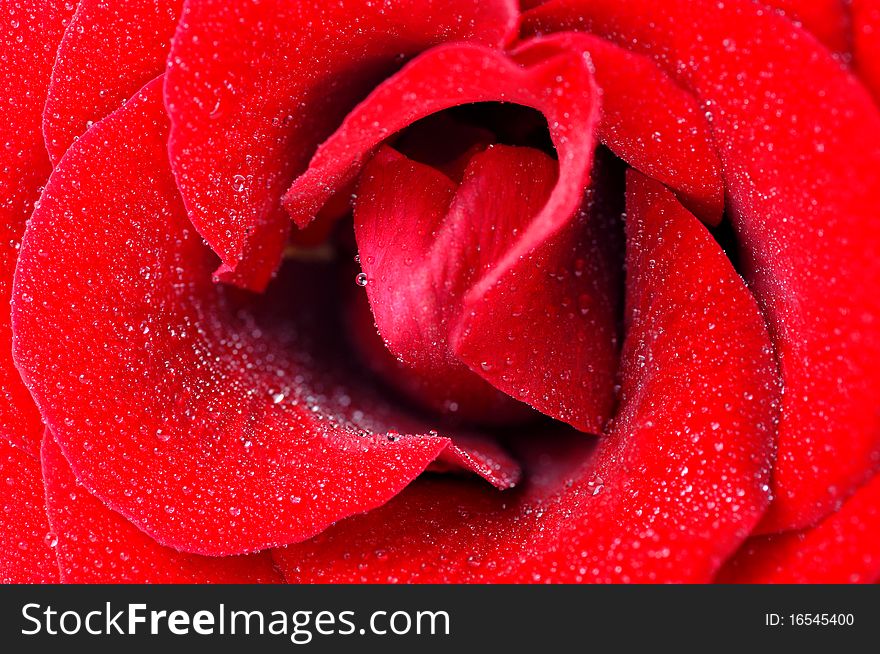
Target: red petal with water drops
[(29, 43), (667, 494), (799, 140), (415, 274), (559, 85), (26, 554), (827, 20), (424, 244), (842, 549), (649, 121), (866, 43), (96, 545), (508, 292), (109, 51), (254, 87), (165, 390)]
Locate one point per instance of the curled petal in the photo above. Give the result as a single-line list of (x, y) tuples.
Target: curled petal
[(517, 272), (801, 162), (28, 52), (109, 51), (553, 343), (26, 554), (165, 390), (560, 86), (842, 549), (667, 494), (416, 273), (649, 121), (253, 87), (97, 545)]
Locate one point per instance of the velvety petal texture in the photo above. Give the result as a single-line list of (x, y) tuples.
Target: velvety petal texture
[(827, 20), (416, 268), (422, 260), (253, 87), (29, 40), (673, 488), (649, 121), (110, 50), (505, 289), (842, 549), (801, 162), (214, 428), (96, 545), (26, 543), (866, 43), (439, 291)]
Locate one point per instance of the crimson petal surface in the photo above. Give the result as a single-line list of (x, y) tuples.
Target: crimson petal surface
[(671, 490), (29, 50), (866, 43), (801, 162), (253, 87), (26, 554), (175, 405), (109, 51), (96, 545), (842, 549)]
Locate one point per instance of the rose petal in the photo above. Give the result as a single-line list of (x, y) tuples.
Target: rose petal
[(560, 318), (449, 76), (163, 390), (649, 121), (827, 20), (556, 86), (413, 293), (26, 554), (668, 493), (554, 297), (109, 51), (866, 43), (96, 545), (799, 141), (254, 87), (29, 45), (843, 548), (424, 244)]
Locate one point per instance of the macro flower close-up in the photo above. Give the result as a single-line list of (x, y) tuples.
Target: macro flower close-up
[(436, 291)]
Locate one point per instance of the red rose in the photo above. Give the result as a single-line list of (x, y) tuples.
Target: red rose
[(622, 258)]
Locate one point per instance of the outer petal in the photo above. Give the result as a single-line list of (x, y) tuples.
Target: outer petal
[(26, 554), (799, 141), (866, 43), (255, 86), (668, 493), (213, 427), (827, 20), (843, 548), (30, 36), (96, 545), (109, 51)]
